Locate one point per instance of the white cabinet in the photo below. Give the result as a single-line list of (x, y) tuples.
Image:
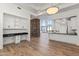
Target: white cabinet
[(73, 39), (58, 37), (20, 23), (23, 37), (14, 22), (8, 40), (17, 39), (17, 22), (14, 39), (24, 23), (8, 21), (20, 38)]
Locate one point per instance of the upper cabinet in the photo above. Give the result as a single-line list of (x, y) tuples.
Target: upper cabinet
[(8, 21), (20, 23), (14, 22)]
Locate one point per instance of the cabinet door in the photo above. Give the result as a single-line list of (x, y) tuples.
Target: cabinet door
[(17, 22), (20, 23), (23, 23), (23, 37), (8, 21), (17, 39)]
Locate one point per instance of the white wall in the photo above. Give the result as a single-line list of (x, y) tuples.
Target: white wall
[(1, 30), (11, 9)]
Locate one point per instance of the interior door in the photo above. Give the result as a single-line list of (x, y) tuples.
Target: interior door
[(35, 27)]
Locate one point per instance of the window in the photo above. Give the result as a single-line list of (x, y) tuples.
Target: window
[(47, 25), (50, 25)]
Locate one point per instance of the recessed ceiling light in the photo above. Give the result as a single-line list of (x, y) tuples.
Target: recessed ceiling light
[(52, 10), (18, 7)]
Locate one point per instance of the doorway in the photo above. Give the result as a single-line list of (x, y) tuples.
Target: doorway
[(35, 27)]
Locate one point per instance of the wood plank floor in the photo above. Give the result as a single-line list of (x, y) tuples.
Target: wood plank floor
[(36, 47)]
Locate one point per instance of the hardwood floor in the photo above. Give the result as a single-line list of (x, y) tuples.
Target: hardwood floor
[(36, 47)]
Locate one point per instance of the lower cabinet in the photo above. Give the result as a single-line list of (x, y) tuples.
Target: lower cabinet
[(20, 38), (23, 37), (8, 40), (72, 39), (14, 39), (17, 39)]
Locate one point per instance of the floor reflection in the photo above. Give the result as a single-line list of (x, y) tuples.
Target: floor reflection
[(44, 41)]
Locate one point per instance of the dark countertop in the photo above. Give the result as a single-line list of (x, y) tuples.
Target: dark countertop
[(64, 33), (14, 34)]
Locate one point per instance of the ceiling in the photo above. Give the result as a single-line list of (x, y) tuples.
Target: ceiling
[(40, 8)]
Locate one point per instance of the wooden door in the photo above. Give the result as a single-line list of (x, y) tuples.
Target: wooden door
[(35, 27)]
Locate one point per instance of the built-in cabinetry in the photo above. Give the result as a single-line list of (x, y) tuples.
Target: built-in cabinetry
[(14, 24), (72, 39)]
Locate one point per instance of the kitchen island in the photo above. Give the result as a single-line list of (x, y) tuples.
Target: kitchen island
[(63, 37)]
